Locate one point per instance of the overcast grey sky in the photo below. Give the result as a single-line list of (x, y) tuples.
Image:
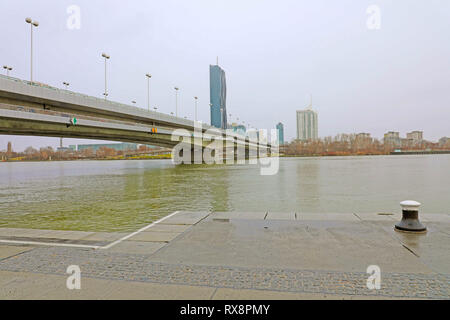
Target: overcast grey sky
[(274, 53)]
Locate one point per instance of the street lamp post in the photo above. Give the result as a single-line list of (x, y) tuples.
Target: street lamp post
[(32, 24), (66, 84), (148, 75), (195, 116), (104, 55), (210, 107), (176, 101), (8, 69)]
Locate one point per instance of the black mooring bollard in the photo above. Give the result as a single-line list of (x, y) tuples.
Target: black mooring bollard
[(410, 217)]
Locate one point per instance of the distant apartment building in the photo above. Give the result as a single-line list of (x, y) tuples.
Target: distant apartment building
[(392, 138), (415, 136), (280, 131), (444, 141), (307, 125), (218, 97), (363, 139)]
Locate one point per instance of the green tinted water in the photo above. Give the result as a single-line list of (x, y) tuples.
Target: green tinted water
[(125, 195)]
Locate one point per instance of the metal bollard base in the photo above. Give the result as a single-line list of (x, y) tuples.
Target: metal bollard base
[(410, 222)]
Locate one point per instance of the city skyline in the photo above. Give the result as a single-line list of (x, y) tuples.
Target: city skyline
[(397, 89)]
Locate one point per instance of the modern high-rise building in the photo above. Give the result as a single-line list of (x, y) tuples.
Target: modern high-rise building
[(218, 96), (307, 124), (280, 130)]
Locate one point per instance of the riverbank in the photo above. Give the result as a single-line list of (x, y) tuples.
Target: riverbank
[(134, 157), (233, 255)]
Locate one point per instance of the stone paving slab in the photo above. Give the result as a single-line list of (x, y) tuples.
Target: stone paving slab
[(281, 216), (185, 217), (50, 241), (18, 232), (43, 234), (432, 217), (375, 217), (327, 216), (239, 215), (21, 285), (178, 228), (66, 235), (145, 290), (105, 236), (155, 236), (137, 247)]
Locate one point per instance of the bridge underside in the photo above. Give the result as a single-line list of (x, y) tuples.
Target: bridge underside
[(31, 128), (193, 151)]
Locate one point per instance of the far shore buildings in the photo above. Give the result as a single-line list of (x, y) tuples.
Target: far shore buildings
[(444, 141), (307, 124), (413, 139), (125, 146)]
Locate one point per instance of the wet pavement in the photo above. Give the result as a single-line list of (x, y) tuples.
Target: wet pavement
[(199, 255)]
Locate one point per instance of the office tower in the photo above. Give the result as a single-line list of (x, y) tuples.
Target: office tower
[(280, 130), (218, 95)]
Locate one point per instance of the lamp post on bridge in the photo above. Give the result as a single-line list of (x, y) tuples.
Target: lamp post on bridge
[(176, 101), (32, 24), (148, 75), (106, 56), (195, 115), (8, 69)]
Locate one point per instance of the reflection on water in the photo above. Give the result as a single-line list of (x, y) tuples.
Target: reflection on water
[(125, 195)]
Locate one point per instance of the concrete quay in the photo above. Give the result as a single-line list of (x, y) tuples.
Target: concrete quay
[(233, 255)]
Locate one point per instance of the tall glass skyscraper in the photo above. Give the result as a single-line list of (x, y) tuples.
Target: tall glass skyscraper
[(218, 96), (280, 129)]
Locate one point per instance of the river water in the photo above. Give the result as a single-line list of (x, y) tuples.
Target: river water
[(126, 195)]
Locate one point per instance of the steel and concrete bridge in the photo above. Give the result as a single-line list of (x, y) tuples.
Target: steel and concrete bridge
[(35, 109)]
